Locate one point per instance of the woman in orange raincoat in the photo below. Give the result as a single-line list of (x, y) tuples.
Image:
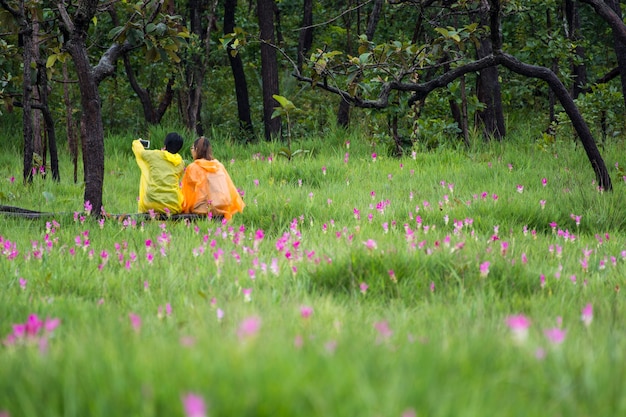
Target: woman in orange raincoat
[(206, 185)]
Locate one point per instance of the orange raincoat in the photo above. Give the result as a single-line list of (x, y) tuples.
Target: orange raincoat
[(207, 187), (160, 176)]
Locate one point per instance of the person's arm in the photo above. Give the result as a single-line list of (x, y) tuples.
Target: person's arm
[(138, 148)]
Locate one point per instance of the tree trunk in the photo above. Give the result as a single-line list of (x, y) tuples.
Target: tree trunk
[(488, 92), (42, 82), (26, 32), (194, 73), (619, 47), (39, 144), (343, 114), (269, 67), (579, 124), (305, 41), (579, 71), (151, 113), (239, 75), (72, 140), (91, 127)]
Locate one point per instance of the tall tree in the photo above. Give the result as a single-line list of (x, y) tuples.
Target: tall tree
[(610, 11), (25, 23), (578, 68), (488, 86), (76, 29), (269, 66), (153, 109), (343, 114), (619, 46), (196, 65), (305, 40), (396, 80), (239, 75)]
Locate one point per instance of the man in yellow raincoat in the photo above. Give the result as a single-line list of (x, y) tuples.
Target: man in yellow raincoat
[(161, 171), (207, 187)]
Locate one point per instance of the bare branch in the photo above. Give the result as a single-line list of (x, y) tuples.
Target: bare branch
[(334, 18)]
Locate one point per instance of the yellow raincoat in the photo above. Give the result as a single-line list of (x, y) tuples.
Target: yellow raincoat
[(160, 177), (208, 187)]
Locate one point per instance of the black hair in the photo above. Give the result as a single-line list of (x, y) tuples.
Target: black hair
[(173, 142)]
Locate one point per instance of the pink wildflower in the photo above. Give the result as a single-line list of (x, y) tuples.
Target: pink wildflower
[(249, 327), (555, 335), (519, 325), (135, 321), (587, 314), (194, 405), (370, 244), (306, 311), (484, 269)]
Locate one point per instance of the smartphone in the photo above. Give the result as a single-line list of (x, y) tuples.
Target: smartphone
[(145, 143)]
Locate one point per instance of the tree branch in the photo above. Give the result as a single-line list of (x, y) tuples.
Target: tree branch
[(106, 65), (605, 11)]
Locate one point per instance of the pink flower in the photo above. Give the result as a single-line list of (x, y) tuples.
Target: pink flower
[(519, 325), (544, 181), (220, 314), (587, 314), (51, 324), (135, 321), (306, 311), (247, 294), (370, 244), (23, 283), (194, 405), (363, 287), (556, 335), (384, 331), (249, 327), (484, 269)]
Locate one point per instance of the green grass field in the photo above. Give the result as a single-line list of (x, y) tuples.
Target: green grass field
[(460, 283)]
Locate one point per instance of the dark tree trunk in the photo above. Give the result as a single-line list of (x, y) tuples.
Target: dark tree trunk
[(191, 96), (27, 88), (305, 41), (72, 140), (579, 71), (343, 114), (91, 126), (239, 75), (92, 130), (269, 67), (42, 82), (488, 92), (20, 15), (619, 47), (579, 124), (151, 113)]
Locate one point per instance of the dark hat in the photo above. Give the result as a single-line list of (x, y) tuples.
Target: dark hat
[(173, 142)]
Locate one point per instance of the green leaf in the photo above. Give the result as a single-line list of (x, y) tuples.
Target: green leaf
[(285, 103), (51, 60)]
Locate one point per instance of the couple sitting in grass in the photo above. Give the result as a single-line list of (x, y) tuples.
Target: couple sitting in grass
[(206, 187)]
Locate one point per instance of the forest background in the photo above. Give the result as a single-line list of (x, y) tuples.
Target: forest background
[(410, 73)]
